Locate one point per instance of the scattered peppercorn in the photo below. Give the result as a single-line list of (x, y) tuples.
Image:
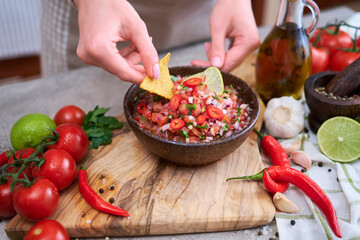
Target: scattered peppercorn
[(111, 200), (1, 219), (277, 234), (112, 187), (271, 238), (306, 130), (83, 214), (260, 233), (101, 190), (329, 170), (303, 170), (337, 179), (320, 164), (292, 222), (101, 176)]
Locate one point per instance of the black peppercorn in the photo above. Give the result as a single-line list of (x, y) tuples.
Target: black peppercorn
[(303, 170), (111, 200), (329, 170), (292, 222), (101, 176), (112, 187), (260, 233), (101, 190), (277, 234), (320, 164)]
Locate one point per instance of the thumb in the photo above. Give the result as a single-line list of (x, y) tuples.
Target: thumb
[(217, 49)]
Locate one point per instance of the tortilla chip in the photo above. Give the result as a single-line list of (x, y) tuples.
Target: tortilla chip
[(164, 84)]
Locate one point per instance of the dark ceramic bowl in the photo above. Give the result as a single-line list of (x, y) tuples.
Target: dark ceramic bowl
[(323, 107), (194, 154)]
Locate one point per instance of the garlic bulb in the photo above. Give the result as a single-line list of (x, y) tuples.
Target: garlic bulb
[(284, 117)]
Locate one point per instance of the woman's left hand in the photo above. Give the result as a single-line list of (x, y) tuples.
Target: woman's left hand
[(231, 19)]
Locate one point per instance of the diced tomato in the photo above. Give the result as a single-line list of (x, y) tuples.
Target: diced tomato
[(201, 119), (183, 109), (140, 108), (157, 106), (177, 124), (215, 113), (197, 110), (174, 102), (192, 82)]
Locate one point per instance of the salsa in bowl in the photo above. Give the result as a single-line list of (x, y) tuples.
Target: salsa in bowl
[(196, 126)]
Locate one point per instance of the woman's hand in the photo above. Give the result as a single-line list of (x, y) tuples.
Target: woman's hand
[(104, 23), (231, 19)]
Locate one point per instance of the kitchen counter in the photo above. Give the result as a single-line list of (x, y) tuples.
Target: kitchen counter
[(91, 86)]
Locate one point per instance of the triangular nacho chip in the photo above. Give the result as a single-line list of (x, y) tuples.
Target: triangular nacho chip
[(164, 84)]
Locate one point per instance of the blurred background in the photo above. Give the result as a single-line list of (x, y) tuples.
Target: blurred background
[(20, 33)]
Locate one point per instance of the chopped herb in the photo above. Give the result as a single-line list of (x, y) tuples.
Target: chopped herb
[(201, 84), (202, 137), (181, 116), (225, 97), (156, 98), (217, 98), (136, 98), (185, 88), (191, 106), (173, 78), (190, 124), (168, 120), (226, 91), (171, 116), (238, 111), (142, 91), (143, 118), (184, 134), (162, 132), (98, 127), (226, 127), (232, 88), (202, 127)]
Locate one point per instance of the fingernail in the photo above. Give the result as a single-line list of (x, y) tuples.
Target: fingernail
[(216, 62), (156, 71)]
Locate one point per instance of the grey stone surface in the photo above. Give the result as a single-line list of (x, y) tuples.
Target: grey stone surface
[(92, 86)]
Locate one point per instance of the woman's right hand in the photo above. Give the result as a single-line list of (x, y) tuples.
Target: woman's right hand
[(104, 23)]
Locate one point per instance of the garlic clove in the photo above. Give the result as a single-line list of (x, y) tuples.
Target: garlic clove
[(282, 203), (291, 146), (301, 158)]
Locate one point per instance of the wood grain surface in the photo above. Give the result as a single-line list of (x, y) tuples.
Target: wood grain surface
[(163, 198)]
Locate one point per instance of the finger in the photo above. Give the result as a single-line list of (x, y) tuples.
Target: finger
[(200, 63), (133, 58), (127, 50), (217, 48), (148, 53), (236, 54), (207, 49)]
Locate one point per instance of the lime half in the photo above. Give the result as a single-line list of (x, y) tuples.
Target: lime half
[(213, 79), (339, 139)]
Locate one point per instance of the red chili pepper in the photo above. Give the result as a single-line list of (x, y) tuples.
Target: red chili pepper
[(274, 150), (177, 123), (272, 186), (192, 82), (4, 158), (94, 200), (278, 157), (215, 113), (307, 185)]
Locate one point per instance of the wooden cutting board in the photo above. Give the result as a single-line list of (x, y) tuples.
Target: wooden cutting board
[(163, 198)]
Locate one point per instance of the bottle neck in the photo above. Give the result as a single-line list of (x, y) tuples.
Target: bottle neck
[(290, 13)]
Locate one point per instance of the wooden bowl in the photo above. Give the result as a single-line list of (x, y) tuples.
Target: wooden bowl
[(323, 107), (194, 154)]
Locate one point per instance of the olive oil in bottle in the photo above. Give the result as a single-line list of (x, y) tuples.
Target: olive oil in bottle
[(284, 59)]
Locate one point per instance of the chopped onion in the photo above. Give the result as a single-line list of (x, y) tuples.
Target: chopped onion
[(209, 138), (165, 105), (201, 93), (228, 133), (236, 125), (165, 127), (208, 101), (215, 103), (191, 100)]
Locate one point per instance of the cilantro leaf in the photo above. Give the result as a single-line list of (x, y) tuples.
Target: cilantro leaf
[(98, 127)]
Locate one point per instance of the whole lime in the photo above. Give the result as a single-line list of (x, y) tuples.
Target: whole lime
[(30, 129)]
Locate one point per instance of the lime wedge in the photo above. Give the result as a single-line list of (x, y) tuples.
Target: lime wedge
[(339, 139), (213, 79)]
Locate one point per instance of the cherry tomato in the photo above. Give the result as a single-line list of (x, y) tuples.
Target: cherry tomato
[(215, 113), (141, 107), (174, 102), (22, 154), (333, 42), (59, 167), (6, 201), (320, 59), (342, 59), (36, 202), (177, 124), (4, 158), (69, 114), (73, 140), (192, 82), (47, 230), (201, 119)]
